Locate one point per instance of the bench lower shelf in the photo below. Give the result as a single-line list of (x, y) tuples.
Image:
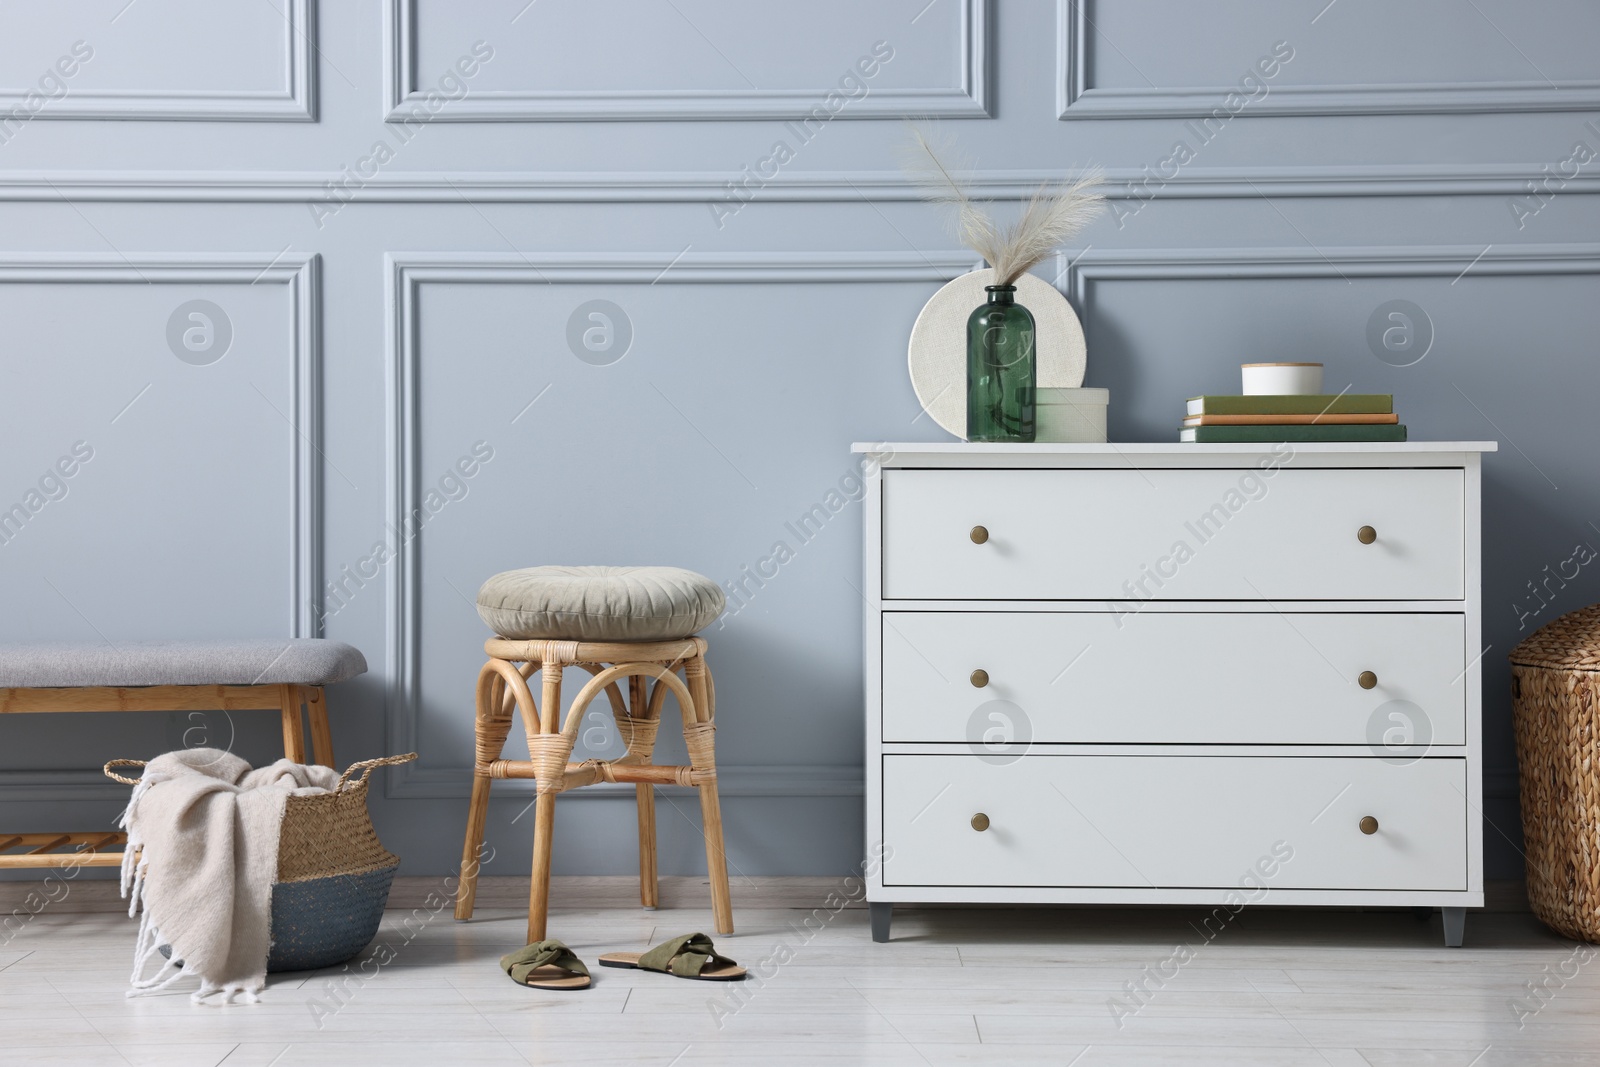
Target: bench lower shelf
[(40, 850)]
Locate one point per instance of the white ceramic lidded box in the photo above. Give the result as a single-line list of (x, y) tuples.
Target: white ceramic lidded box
[(1282, 379), (1070, 416)]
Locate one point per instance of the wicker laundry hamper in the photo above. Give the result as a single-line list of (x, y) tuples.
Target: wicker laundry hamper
[(1555, 689), (333, 874)]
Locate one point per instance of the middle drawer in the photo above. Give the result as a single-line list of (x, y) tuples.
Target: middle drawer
[(1175, 678)]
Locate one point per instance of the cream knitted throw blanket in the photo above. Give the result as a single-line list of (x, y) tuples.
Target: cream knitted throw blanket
[(205, 828)]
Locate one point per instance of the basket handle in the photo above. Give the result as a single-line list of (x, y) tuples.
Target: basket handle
[(122, 763), (366, 768)]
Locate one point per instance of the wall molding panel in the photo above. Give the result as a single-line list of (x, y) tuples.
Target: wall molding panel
[(301, 274), (968, 99), (662, 187), (1077, 99), (296, 102), (407, 272), (1378, 261)]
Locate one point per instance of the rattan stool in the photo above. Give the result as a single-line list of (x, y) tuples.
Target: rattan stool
[(503, 683)]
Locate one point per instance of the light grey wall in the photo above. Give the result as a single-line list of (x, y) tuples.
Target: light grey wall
[(188, 154)]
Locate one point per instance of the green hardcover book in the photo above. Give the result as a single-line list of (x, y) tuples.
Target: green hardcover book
[(1331, 403), (1272, 434)]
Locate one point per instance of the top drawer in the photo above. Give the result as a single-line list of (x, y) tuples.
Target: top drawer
[(1187, 534)]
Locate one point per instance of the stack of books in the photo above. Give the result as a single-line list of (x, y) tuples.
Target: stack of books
[(1260, 418)]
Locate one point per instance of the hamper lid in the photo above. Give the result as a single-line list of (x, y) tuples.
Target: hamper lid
[(1571, 642)]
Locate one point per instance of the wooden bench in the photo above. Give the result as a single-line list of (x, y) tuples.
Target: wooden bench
[(285, 675)]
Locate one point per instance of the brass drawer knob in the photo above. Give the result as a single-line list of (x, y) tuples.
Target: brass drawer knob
[(979, 534), (1366, 535), (1367, 680), (980, 822), (1368, 825), (980, 678)]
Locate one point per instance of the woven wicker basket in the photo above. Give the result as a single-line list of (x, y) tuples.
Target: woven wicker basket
[(333, 874), (1555, 689)]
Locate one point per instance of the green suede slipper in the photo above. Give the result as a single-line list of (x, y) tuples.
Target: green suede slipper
[(546, 965), (689, 956)]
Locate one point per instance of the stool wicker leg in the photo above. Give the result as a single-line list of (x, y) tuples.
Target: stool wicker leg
[(492, 725), (644, 792), (544, 824), (699, 736)]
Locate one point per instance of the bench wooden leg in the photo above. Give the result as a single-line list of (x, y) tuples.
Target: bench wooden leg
[(294, 740), (321, 736)]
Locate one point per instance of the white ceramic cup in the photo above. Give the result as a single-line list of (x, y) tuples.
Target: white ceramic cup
[(1282, 379)]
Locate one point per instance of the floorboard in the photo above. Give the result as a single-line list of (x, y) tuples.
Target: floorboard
[(1087, 987)]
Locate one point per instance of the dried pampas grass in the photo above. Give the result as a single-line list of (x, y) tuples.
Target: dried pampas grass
[(1052, 215)]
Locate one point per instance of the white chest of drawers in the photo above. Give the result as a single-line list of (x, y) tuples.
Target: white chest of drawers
[(1174, 674)]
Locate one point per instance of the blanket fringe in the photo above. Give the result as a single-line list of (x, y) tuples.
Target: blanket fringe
[(147, 955)]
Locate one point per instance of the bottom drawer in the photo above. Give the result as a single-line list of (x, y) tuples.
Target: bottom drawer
[(1175, 822)]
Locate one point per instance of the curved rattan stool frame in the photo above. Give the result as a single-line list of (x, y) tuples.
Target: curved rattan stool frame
[(503, 686)]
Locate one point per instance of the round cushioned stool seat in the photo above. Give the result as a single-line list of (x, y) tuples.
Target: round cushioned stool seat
[(599, 603)]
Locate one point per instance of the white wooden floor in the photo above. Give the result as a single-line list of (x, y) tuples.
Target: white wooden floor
[(979, 986)]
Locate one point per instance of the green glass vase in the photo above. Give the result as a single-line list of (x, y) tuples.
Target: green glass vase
[(1001, 371)]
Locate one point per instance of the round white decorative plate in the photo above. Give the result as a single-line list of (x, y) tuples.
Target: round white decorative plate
[(937, 354)]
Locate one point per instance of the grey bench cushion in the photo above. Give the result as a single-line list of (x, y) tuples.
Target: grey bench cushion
[(599, 603), (267, 661)]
